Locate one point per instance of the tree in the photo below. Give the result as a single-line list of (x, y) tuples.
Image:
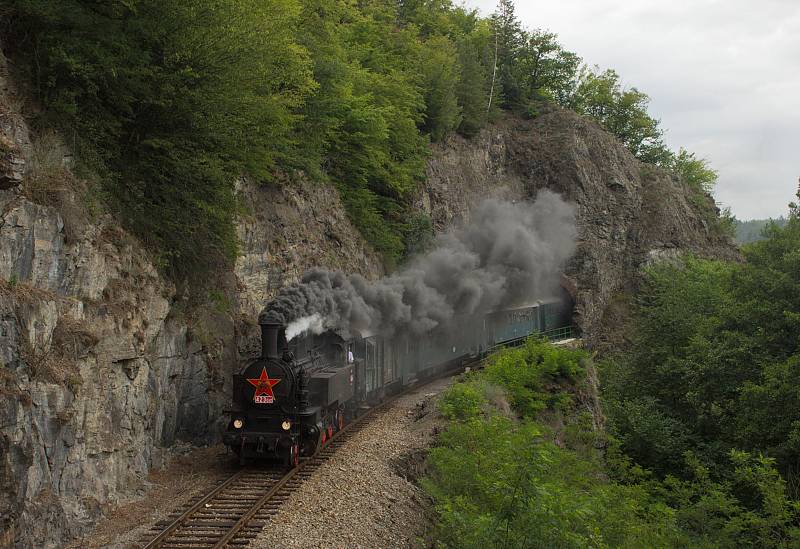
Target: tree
[(170, 101), (547, 70), (440, 80), (471, 91), (693, 171), (621, 111), (794, 207), (509, 39), (713, 365)]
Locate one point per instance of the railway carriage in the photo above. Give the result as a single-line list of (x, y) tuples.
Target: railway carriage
[(297, 394)]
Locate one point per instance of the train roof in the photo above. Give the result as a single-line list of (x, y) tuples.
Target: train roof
[(530, 304), (364, 334)]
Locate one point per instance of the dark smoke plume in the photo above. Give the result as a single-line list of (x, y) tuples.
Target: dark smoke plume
[(507, 255)]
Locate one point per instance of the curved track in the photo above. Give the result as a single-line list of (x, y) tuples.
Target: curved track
[(234, 512)]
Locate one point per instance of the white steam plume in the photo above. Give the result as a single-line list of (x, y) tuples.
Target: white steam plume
[(312, 323)]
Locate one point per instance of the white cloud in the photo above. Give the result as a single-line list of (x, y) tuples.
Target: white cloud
[(723, 77)]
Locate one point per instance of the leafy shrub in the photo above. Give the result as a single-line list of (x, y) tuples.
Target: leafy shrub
[(527, 373), (462, 402), (498, 481), (497, 484), (749, 509)]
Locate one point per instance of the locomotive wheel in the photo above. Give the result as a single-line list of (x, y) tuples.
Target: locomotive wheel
[(308, 447)]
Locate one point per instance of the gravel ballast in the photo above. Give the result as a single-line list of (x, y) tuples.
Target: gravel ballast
[(361, 497)]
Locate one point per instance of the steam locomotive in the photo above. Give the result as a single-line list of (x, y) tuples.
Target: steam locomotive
[(297, 394)]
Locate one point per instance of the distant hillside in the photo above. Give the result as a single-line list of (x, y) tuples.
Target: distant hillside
[(751, 231)]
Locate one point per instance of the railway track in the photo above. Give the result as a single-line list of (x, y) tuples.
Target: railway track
[(233, 513)]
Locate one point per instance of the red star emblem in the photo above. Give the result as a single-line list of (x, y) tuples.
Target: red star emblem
[(264, 385)]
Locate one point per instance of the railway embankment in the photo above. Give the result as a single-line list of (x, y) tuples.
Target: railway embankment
[(366, 494), (106, 366), (523, 456)]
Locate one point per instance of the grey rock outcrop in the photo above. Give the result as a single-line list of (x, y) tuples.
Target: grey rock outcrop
[(289, 229), (103, 368), (14, 138), (98, 376), (629, 213)]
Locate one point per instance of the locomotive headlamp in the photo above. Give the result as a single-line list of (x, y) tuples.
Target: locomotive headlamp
[(238, 423), (286, 424)]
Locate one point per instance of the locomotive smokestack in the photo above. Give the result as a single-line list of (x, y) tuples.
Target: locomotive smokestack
[(270, 332)]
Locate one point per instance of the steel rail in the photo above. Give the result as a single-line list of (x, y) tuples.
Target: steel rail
[(305, 465), (178, 522)]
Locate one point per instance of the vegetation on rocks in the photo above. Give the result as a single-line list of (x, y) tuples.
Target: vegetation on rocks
[(507, 473), (703, 422), (170, 102)]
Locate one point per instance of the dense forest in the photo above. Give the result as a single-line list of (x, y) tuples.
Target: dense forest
[(695, 441), (166, 104)]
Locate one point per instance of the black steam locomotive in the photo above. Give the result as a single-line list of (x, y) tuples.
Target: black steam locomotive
[(292, 399)]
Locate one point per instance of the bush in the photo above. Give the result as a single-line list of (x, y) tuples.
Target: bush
[(497, 484), (462, 402), (497, 481), (531, 372)]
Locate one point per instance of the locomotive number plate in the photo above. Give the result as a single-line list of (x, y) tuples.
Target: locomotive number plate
[(264, 399)]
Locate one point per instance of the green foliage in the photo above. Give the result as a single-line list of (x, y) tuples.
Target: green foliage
[(693, 171), (219, 301), (440, 73), (361, 126), (462, 402), (509, 38), (623, 112), (710, 338), (750, 509), (173, 99), (419, 235), (169, 103), (473, 96), (707, 395), (528, 374), (547, 70), (497, 482)]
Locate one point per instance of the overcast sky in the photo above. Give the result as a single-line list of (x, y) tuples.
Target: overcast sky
[(723, 76)]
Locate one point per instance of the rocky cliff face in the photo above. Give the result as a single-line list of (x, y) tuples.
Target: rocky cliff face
[(105, 366), (629, 213)]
